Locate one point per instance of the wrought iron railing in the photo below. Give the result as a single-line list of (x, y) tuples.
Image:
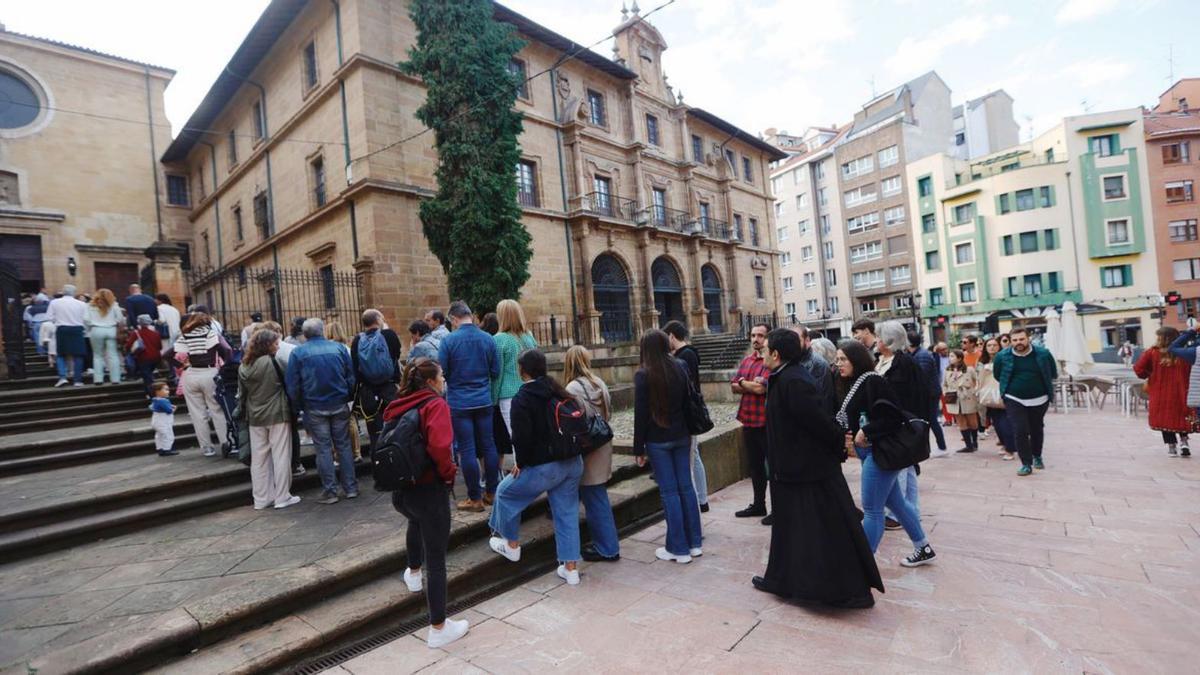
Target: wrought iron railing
[(609, 206), (616, 327), (233, 293), (714, 229), (555, 331), (751, 320)]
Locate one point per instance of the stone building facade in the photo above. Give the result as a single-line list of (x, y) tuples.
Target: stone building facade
[(82, 195), (1172, 142), (641, 208)]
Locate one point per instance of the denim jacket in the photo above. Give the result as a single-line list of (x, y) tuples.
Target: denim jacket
[(320, 375), (470, 362)]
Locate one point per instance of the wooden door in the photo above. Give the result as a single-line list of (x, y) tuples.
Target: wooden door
[(116, 277), (24, 252)]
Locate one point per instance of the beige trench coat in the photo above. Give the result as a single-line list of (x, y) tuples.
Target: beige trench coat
[(594, 397), (966, 385)]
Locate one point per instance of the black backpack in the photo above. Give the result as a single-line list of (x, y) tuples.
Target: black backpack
[(400, 457), (573, 431), (907, 444)]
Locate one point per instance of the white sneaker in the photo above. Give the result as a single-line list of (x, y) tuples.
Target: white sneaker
[(413, 581), (61, 382), (935, 453), (664, 554), (450, 632), (299, 471), (210, 452), (569, 576), (500, 545), (78, 384), (294, 499), (696, 552)]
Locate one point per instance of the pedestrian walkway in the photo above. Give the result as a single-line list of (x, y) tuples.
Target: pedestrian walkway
[(1088, 566)]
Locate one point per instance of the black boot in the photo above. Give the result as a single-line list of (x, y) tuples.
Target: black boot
[(966, 436)]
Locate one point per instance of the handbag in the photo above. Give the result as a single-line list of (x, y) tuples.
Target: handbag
[(695, 410), (905, 446), (989, 394), (950, 397)]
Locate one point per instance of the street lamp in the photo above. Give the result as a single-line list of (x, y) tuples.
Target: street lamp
[(72, 267)]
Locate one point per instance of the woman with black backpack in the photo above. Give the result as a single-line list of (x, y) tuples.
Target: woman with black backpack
[(660, 402), (542, 464), (426, 504), (869, 412)]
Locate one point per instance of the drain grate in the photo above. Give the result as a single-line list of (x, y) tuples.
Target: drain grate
[(421, 619)]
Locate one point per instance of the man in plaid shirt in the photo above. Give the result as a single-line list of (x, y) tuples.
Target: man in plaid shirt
[(751, 383)]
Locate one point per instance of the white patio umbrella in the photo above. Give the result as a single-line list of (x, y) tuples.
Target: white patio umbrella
[(1052, 340), (1075, 355)]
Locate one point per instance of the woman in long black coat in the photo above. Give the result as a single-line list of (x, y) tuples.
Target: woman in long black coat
[(818, 549)]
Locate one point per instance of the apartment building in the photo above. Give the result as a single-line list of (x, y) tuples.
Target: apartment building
[(641, 209), (984, 125), (1064, 217), (811, 240), (1172, 141)]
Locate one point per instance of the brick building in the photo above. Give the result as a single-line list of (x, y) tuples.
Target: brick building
[(82, 195), (641, 208)]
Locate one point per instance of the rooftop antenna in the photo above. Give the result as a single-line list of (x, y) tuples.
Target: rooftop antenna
[(1087, 107), (872, 82)]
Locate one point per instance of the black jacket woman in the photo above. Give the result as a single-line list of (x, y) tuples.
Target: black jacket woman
[(866, 413), (660, 397), (818, 549), (538, 469)]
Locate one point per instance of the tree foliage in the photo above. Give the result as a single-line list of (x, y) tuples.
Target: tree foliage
[(473, 224)]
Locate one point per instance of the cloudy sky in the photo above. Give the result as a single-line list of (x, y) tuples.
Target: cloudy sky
[(758, 63)]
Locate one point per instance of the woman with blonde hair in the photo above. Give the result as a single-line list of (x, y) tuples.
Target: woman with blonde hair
[(592, 394), (334, 332), (102, 317), (264, 405), (512, 339)]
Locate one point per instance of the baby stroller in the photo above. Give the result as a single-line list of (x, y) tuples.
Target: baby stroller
[(236, 431)]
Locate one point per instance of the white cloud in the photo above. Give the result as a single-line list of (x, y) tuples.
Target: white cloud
[(1091, 72), (1082, 10), (916, 55)]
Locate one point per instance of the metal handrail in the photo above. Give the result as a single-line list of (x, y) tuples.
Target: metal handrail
[(609, 206)]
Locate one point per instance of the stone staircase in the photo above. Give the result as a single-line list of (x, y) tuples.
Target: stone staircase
[(720, 351)]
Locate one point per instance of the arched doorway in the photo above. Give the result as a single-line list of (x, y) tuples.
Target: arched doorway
[(711, 283), (610, 294), (668, 291)]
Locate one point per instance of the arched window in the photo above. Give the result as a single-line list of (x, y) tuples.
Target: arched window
[(610, 294), (668, 290), (711, 284)]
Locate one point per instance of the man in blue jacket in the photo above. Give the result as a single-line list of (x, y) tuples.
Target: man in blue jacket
[(470, 362), (320, 381), (927, 361), (1025, 373), (138, 303)]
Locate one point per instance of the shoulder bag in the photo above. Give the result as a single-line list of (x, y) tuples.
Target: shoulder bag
[(907, 445), (695, 410)]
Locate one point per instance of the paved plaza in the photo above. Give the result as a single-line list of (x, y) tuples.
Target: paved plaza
[(1088, 566)]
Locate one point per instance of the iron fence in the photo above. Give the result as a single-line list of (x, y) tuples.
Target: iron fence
[(616, 327), (553, 332), (232, 294), (751, 320), (610, 206)]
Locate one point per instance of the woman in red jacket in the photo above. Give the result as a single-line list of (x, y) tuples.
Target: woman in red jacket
[(146, 359), (1167, 384), (426, 505)]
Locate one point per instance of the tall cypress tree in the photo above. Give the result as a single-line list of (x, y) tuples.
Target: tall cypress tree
[(473, 224)]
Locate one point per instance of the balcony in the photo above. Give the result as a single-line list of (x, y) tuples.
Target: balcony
[(609, 206)]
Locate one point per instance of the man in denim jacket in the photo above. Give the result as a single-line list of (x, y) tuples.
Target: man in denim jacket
[(470, 362), (320, 381)]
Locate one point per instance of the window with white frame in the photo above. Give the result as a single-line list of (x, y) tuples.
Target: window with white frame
[(804, 227), (889, 156), (820, 169), (872, 250), (964, 213), (893, 217), (1186, 270), (778, 209), (788, 284), (869, 279), (966, 292), (964, 253), (823, 198), (1179, 191), (782, 232), (806, 253), (810, 279), (785, 258), (867, 221), (1117, 231), (789, 309), (901, 274), (827, 248), (860, 195), (1114, 187), (812, 307), (831, 278), (902, 302), (825, 227), (858, 167), (890, 186), (775, 185), (833, 305), (866, 306), (802, 201), (1182, 230)]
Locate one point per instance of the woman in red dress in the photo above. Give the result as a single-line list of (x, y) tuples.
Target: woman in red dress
[(1167, 384)]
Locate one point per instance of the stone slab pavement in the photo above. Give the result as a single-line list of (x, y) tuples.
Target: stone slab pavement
[(1088, 566)]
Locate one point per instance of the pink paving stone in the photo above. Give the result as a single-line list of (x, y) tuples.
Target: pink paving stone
[(1089, 566)]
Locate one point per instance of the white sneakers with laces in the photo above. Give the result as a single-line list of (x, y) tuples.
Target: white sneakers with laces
[(500, 545), (569, 576), (451, 631), (413, 580), (663, 554)]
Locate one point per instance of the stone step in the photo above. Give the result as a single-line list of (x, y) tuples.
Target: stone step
[(47, 390), (57, 439), (68, 458), (267, 622), (84, 416), (75, 410), (67, 398)]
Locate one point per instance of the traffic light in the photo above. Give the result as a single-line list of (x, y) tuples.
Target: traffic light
[(1172, 297), (941, 320)]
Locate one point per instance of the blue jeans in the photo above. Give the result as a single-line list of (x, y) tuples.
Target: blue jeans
[(881, 487), (473, 430), (330, 429), (600, 521), (560, 481), (907, 480), (672, 469), (1003, 425), (77, 362)]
